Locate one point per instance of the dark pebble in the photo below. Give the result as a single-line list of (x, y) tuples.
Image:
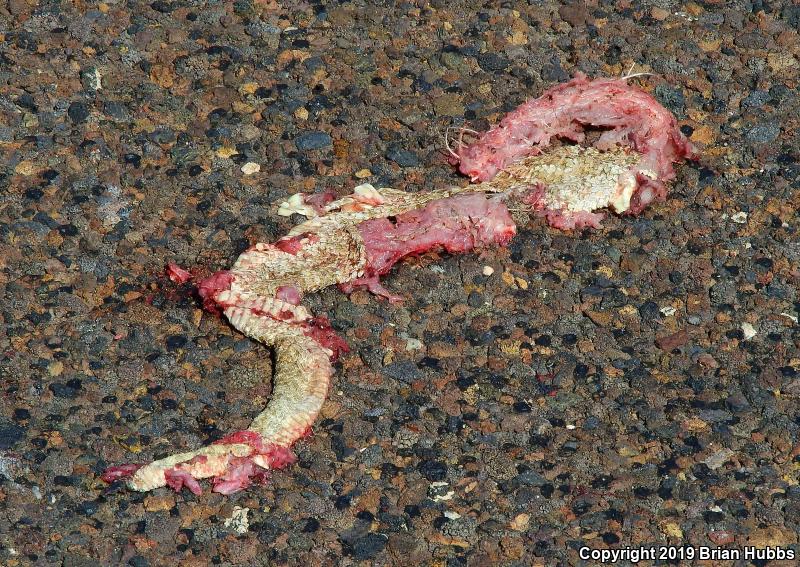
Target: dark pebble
[(342, 502), (402, 156), (163, 135), (312, 141), (34, 194), (68, 230), (116, 110), (531, 478), (78, 112), (340, 447), (163, 6), (649, 311), (475, 299), (763, 133), (21, 414), (671, 97), (756, 99), (553, 72), (88, 507), (580, 507), (63, 390), (27, 102), (404, 370), (133, 159), (610, 538), (433, 470), (175, 342), (591, 422), (368, 547), (10, 434), (491, 62), (522, 407)]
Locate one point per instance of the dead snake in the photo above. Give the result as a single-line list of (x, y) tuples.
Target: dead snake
[(351, 242)]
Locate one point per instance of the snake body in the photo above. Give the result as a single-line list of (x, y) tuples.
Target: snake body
[(352, 241)]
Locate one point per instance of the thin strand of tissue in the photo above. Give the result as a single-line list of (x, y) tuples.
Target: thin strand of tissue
[(631, 116)]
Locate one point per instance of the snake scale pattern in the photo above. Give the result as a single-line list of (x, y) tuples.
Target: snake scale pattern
[(356, 239)]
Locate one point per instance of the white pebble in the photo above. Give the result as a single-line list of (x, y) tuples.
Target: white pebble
[(668, 311), (749, 331), (238, 521), (740, 217), (488, 270), (250, 168)]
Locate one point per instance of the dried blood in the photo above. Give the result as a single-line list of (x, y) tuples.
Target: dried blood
[(319, 329)]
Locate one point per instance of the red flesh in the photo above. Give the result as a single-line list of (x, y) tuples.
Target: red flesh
[(177, 274), (277, 455), (199, 459), (244, 437), (209, 287), (236, 477), (319, 200), (633, 118), (241, 470), (568, 220), (294, 244), (289, 294), (462, 223), (177, 479), (456, 224), (373, 284), (119, 472)]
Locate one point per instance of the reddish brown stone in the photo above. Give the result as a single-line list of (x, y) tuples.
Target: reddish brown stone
[(672, 341)]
